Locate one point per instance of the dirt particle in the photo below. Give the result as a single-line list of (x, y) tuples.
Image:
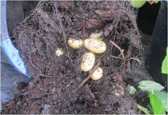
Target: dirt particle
[(46, 109), (21, 85)]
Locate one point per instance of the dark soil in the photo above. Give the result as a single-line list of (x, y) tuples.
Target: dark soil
[(55, 80)]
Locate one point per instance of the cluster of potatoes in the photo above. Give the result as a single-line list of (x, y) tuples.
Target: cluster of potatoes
[(95, 45)]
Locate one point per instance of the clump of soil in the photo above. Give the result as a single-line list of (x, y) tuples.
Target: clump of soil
[(55, 80)]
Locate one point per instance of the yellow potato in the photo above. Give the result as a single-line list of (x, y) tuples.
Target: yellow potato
[(96, 35), (97, 74), (95, 45), (88, 61), (75, 43), (59, 52)]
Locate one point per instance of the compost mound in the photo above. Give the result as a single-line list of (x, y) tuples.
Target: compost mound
[(54, 87)]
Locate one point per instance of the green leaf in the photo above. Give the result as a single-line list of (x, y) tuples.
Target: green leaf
[(164, 64), (137, 3), (151, 110), (153, 1), (155, 103), (143, 109), (163, 97), (132, 90), (147, 85), (163, 113), (156, 1)]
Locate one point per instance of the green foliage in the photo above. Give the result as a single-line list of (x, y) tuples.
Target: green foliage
[(132, 90), (163, 97), (138, 3), (164, 64), (158, 98), (155, 103), (147, 85), (143, 109)]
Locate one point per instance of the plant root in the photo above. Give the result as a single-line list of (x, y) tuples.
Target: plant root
[(121, 51), (97, 65)]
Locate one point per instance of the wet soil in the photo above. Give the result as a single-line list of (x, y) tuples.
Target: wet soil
[(54, 87)]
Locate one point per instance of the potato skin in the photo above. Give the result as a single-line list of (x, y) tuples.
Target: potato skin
[(95, 45), (98, 73), (88, 61), (96, 35), (75, 43), (59, 52)]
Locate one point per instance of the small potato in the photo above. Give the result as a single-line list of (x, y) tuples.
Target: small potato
[(74, 43), (97, 74), (59, 52), (118, 92), (95, 45), (96, 35), (88, 61)]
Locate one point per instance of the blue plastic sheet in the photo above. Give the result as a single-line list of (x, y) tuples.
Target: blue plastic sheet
[(11, 52)]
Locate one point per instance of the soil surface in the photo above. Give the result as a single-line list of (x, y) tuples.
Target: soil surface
[(54, 87)]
